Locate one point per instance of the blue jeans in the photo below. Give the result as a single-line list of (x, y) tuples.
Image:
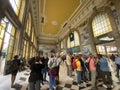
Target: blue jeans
[(78, 76), (52, 81), (34, 85), (83, 75), (44, 71)]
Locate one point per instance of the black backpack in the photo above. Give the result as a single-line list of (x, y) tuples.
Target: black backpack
[(14, 65)]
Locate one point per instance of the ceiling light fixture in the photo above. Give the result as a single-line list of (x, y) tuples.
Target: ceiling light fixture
[(54, 23)]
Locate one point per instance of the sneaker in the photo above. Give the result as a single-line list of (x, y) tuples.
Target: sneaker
[(78, 85), (105, 86), (84, 84), (112, 86), (54, 88)]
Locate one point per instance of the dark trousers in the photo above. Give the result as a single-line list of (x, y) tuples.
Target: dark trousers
[(44, 72), (106, 77), (118, 68), (34, 85), (83, 77)]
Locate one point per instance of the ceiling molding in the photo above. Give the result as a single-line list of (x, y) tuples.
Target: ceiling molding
[(35, 6)]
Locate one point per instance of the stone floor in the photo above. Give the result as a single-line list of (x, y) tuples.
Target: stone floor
[(21, 82)]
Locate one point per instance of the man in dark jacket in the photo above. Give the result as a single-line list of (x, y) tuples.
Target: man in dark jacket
[(35, 74), (14, 68)]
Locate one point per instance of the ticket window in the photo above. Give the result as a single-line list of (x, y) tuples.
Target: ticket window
[(106, 50)]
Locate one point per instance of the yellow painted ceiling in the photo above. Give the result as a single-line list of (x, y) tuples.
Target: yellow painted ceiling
[(57, 11)]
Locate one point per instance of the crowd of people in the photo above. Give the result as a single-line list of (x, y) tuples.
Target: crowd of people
[(86, 68), (94, 67)]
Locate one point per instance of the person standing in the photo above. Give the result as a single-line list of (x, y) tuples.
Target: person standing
[(117, 62), (45, 64), (78, 69), (58, 66), (92, 67), (52, 64), (106, 75), (69, 65), (15, 64), (35, 74)]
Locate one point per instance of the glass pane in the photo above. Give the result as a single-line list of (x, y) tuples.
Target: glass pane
[(24, 51), (68, 42), (6, 42), (29, 24), (10, 50), (2, 33), (62, 44), (9, 56), (0, 43), (24, 42), (76, 41), (9, 28), (27, 50), (13, 31), (22, 10), (101, 24), (3, 25), (15, 5), (11, 41)]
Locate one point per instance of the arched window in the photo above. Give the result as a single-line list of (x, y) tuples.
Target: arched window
[(61, 44), (101, 24), (73, 42), (68, 43), (28, 27), (76, 36)]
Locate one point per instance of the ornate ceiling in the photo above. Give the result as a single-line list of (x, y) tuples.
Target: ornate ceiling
[(50, 17), (56, 13)]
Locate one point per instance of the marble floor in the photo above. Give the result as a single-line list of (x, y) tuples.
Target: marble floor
[(66, 83)]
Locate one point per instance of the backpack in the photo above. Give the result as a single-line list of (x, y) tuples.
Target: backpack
[(74, 64), (14, 65)]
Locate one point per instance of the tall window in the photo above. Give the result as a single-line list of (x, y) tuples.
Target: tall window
[(33, 34), (61, 44), (15, 5), (24, 49), (22, 8), (28, 27), (27, 49), (2, 31), (73, 42), (7, 34), (101, 24)]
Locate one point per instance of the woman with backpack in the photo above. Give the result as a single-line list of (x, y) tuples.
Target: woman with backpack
[(78, 70)]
